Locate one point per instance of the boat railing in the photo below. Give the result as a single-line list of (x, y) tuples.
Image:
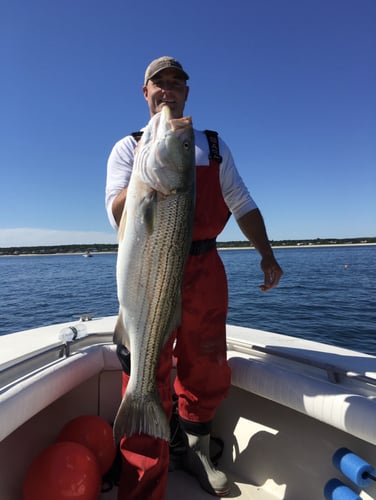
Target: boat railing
[(334, 373), (41, 359)]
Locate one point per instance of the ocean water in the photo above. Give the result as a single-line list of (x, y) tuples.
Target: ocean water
[(326, 294)]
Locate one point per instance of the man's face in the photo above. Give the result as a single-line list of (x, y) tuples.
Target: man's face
[(166, 88)]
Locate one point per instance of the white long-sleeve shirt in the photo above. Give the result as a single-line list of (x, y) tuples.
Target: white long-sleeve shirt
[(235, 193)]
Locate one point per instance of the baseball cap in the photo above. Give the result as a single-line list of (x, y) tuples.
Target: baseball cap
[(163, 63)]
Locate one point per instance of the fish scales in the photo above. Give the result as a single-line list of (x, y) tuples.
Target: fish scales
[(154, 238), (165, 263)]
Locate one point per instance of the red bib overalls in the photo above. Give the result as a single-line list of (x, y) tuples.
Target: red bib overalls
[(202, 374)]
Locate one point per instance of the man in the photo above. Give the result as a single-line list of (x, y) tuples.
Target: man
[(202, 374)]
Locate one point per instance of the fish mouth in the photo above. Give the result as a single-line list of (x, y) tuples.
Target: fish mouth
[(166, 111), (166, 115), (175, 123), (167, 104)]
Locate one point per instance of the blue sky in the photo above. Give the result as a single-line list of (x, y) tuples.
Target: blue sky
[(289, 84)]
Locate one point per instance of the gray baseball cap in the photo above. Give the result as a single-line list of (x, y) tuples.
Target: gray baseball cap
[(163, 63)]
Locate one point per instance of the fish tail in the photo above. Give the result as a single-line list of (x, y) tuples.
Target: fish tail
[(141, 416)]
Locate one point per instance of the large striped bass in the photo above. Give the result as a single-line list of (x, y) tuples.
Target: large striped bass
[(155, 234)]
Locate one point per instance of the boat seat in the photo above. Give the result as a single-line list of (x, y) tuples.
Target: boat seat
[(25, 397), (331, 403)]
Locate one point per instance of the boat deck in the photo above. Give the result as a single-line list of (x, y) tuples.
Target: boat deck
[(185, 487)]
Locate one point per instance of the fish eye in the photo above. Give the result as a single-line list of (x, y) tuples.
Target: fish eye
[(186, 145)]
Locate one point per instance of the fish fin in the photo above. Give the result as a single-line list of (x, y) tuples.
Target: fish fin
[(143, 415), (120, 334), (175, 320), (148, 210)]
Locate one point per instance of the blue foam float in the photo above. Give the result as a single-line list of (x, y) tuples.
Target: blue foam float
[(353, 467), (335, 490)]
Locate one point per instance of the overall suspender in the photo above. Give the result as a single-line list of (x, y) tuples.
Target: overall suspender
[(137, 135), (212, 138)]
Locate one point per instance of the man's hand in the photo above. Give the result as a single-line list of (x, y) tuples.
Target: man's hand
[(272, 273)]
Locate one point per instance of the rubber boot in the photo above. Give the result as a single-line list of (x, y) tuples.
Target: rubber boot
[(197, 462), (178, 440)]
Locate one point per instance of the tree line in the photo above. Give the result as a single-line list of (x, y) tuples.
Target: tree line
[(110, 247)]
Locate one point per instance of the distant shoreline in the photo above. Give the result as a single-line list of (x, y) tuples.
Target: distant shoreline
[(219, 247), (324, 245)]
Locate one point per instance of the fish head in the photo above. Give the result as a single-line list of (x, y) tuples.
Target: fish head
[(166, 156)]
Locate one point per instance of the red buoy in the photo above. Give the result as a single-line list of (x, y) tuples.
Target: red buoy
[(63, 471), (96, 434)]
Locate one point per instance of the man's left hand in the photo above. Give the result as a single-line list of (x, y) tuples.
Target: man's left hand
[(272, 273)]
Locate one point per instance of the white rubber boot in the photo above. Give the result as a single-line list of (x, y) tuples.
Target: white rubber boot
[(198, 463)]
